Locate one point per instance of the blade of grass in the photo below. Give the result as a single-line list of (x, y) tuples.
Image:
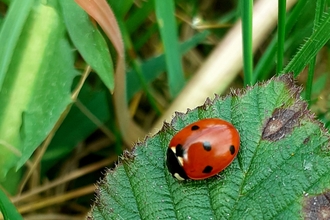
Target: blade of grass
[(280, 34), (136, 66), (139, 16), (247, 6), (309, 85), (153, 67), (168, 32), (266, 62), (11, 29), (312, 46), (120, 8), (141, 40), (225, 62)]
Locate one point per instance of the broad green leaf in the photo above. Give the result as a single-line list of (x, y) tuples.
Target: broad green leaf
[(38, 88), (89, 41), (283, 160)]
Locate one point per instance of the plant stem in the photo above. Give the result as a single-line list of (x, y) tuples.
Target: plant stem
[(280, 34), (247, 40)]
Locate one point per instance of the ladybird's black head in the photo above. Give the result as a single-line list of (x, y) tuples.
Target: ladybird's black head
[(174, 166)]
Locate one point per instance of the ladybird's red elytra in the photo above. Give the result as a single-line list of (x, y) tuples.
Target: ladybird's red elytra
[(202, 149)]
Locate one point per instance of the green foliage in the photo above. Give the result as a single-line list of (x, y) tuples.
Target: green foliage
[(7, 209), (10, 32), (45, 44), (247, 8), (281, 34), (284, 156), (59, 148), (38, 86), (153, 67), (89, 41), (313, 45), (266, 65), (167, 26)]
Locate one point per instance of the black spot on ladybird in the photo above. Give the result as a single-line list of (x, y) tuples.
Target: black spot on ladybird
[(207, 146), (179, 150), (207, 169), (194, 127), (232, 149)]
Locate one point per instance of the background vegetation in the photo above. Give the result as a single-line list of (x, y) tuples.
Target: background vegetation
[(57, 75)]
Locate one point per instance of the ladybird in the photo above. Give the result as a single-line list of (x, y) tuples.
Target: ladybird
[(202, 149)]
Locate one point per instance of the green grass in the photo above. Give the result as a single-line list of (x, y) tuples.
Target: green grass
[(311, 69), (280, 34), (246, 11)]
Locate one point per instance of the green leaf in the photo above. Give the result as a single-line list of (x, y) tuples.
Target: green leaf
[(7, 209), (10, 32), (38, 88), (284, 157), (89, 41)]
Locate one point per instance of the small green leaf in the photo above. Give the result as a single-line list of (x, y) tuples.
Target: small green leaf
[(89, 41), (284, 157), (7, 209)]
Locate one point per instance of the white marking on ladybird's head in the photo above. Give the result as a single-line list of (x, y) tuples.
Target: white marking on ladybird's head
[(173, 149), (185, 156), (176, 175), (180, 159)]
